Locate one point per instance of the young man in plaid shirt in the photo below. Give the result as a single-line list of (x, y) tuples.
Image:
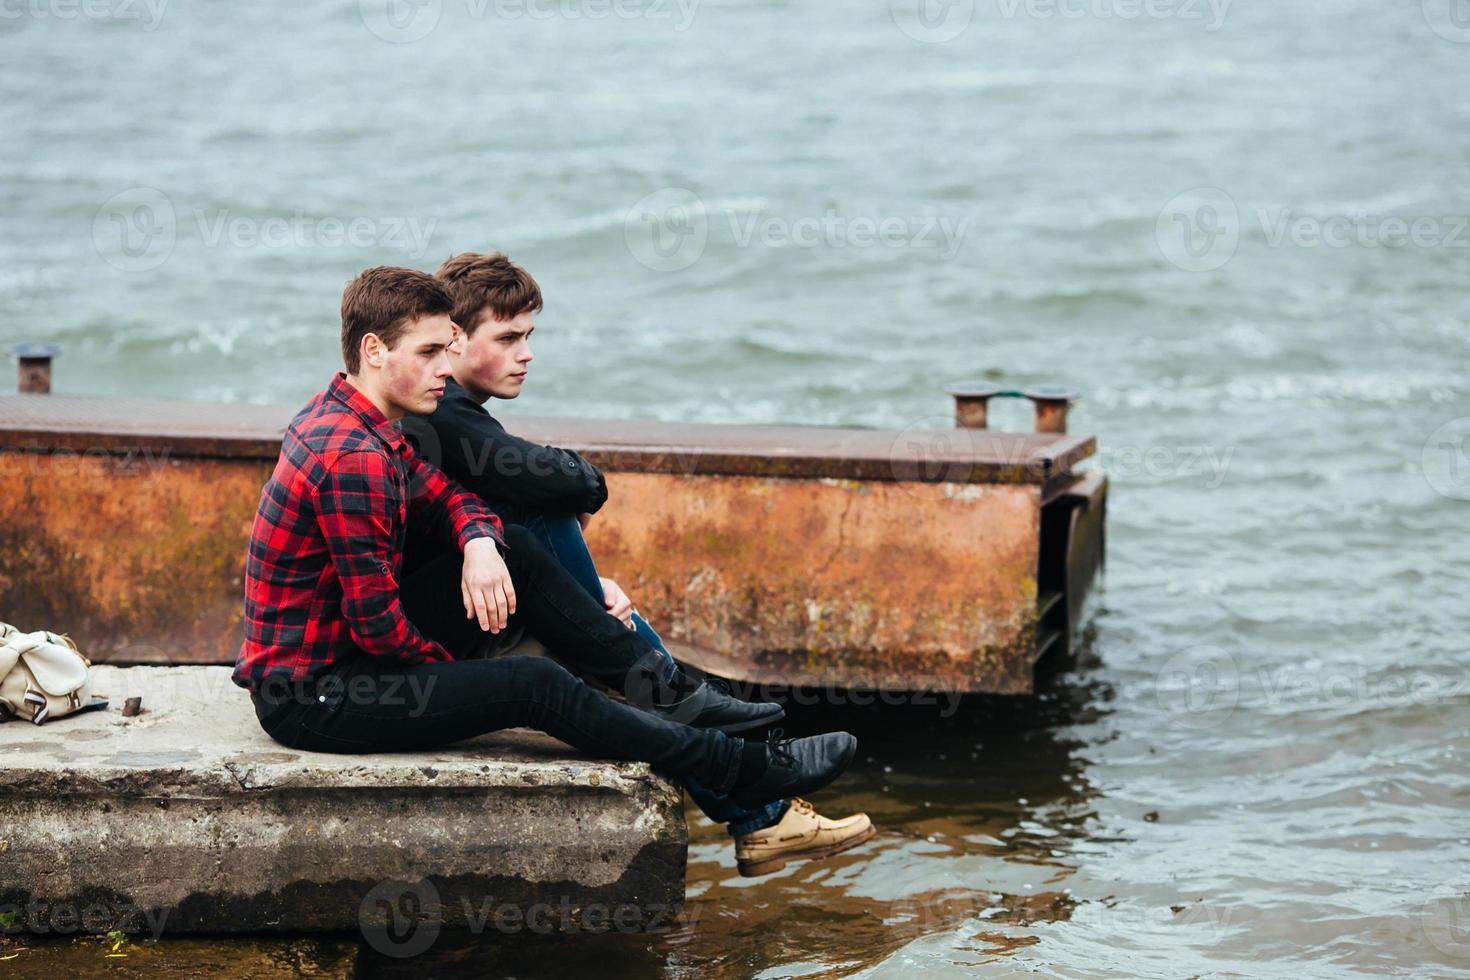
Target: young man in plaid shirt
[(554, 492), (343, 652)]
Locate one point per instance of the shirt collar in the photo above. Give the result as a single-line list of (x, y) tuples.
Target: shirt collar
[(450, 385), (387, 430)]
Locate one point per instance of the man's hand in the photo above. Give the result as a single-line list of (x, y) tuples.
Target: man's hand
[(617, 601), (485, 585)]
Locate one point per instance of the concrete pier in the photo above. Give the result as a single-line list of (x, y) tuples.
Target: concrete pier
[(188, 818)]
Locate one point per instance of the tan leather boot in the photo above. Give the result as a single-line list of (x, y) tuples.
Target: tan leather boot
[(802, 834)]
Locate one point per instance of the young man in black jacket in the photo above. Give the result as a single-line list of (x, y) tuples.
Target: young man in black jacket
[(553, 493)]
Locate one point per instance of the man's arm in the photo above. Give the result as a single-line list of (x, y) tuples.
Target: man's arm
[(443, 505), (353, 504), (506, 469), (485, 583)]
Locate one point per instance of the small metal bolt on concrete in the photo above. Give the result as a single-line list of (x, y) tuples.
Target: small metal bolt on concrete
[(34, 367)]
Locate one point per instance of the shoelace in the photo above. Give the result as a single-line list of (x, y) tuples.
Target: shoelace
[(777, 744), (802, 806)]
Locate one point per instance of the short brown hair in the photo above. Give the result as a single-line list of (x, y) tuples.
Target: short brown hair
[(384, 300), (489, 281)]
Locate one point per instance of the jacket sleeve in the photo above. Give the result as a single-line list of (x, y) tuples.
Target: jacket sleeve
[(507, 470), (356, 509), (447, 508)]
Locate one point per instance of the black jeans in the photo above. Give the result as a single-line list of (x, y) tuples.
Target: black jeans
[(362, 704)]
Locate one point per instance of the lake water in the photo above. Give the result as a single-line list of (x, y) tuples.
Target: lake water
[(1239, 229)]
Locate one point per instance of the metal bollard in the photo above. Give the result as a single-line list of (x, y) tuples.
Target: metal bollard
[(971, 400), (1052, 402), (34, 367)]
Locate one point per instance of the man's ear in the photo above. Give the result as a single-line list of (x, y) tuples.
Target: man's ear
[(372, 350)]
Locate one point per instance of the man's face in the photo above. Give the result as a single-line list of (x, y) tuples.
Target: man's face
[(494, 359), (413, 372)]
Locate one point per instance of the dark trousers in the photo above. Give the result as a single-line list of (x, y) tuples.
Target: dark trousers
[(362, 704), (562, 536)]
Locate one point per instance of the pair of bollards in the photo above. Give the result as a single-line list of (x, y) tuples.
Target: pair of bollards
[(972, 403)]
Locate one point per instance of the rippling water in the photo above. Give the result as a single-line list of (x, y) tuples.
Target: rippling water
[(778, 212)]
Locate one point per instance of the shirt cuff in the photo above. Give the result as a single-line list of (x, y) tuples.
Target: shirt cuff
[(480, 529)]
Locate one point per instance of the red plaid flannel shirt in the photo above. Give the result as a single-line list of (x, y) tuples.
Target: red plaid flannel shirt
[(326, 550)]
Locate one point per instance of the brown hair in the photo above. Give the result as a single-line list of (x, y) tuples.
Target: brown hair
[(384, 300), (490, 281)]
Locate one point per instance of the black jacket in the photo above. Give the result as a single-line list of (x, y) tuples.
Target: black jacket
[(515, 477)]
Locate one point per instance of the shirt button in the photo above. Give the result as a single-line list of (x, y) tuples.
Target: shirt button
[(322, 698)]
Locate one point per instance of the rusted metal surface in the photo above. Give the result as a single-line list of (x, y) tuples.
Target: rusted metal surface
[(127, 529), (884, 585), (139, 559)]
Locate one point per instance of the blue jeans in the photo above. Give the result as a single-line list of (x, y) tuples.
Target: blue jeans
[(563, 536)]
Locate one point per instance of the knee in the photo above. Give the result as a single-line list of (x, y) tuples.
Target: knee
[(525, 552), (545, 674), (518, 536)]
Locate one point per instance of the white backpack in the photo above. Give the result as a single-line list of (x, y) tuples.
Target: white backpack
[(42, 675)]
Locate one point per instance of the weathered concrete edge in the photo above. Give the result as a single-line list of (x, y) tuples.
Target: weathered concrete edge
[(162, 429)]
